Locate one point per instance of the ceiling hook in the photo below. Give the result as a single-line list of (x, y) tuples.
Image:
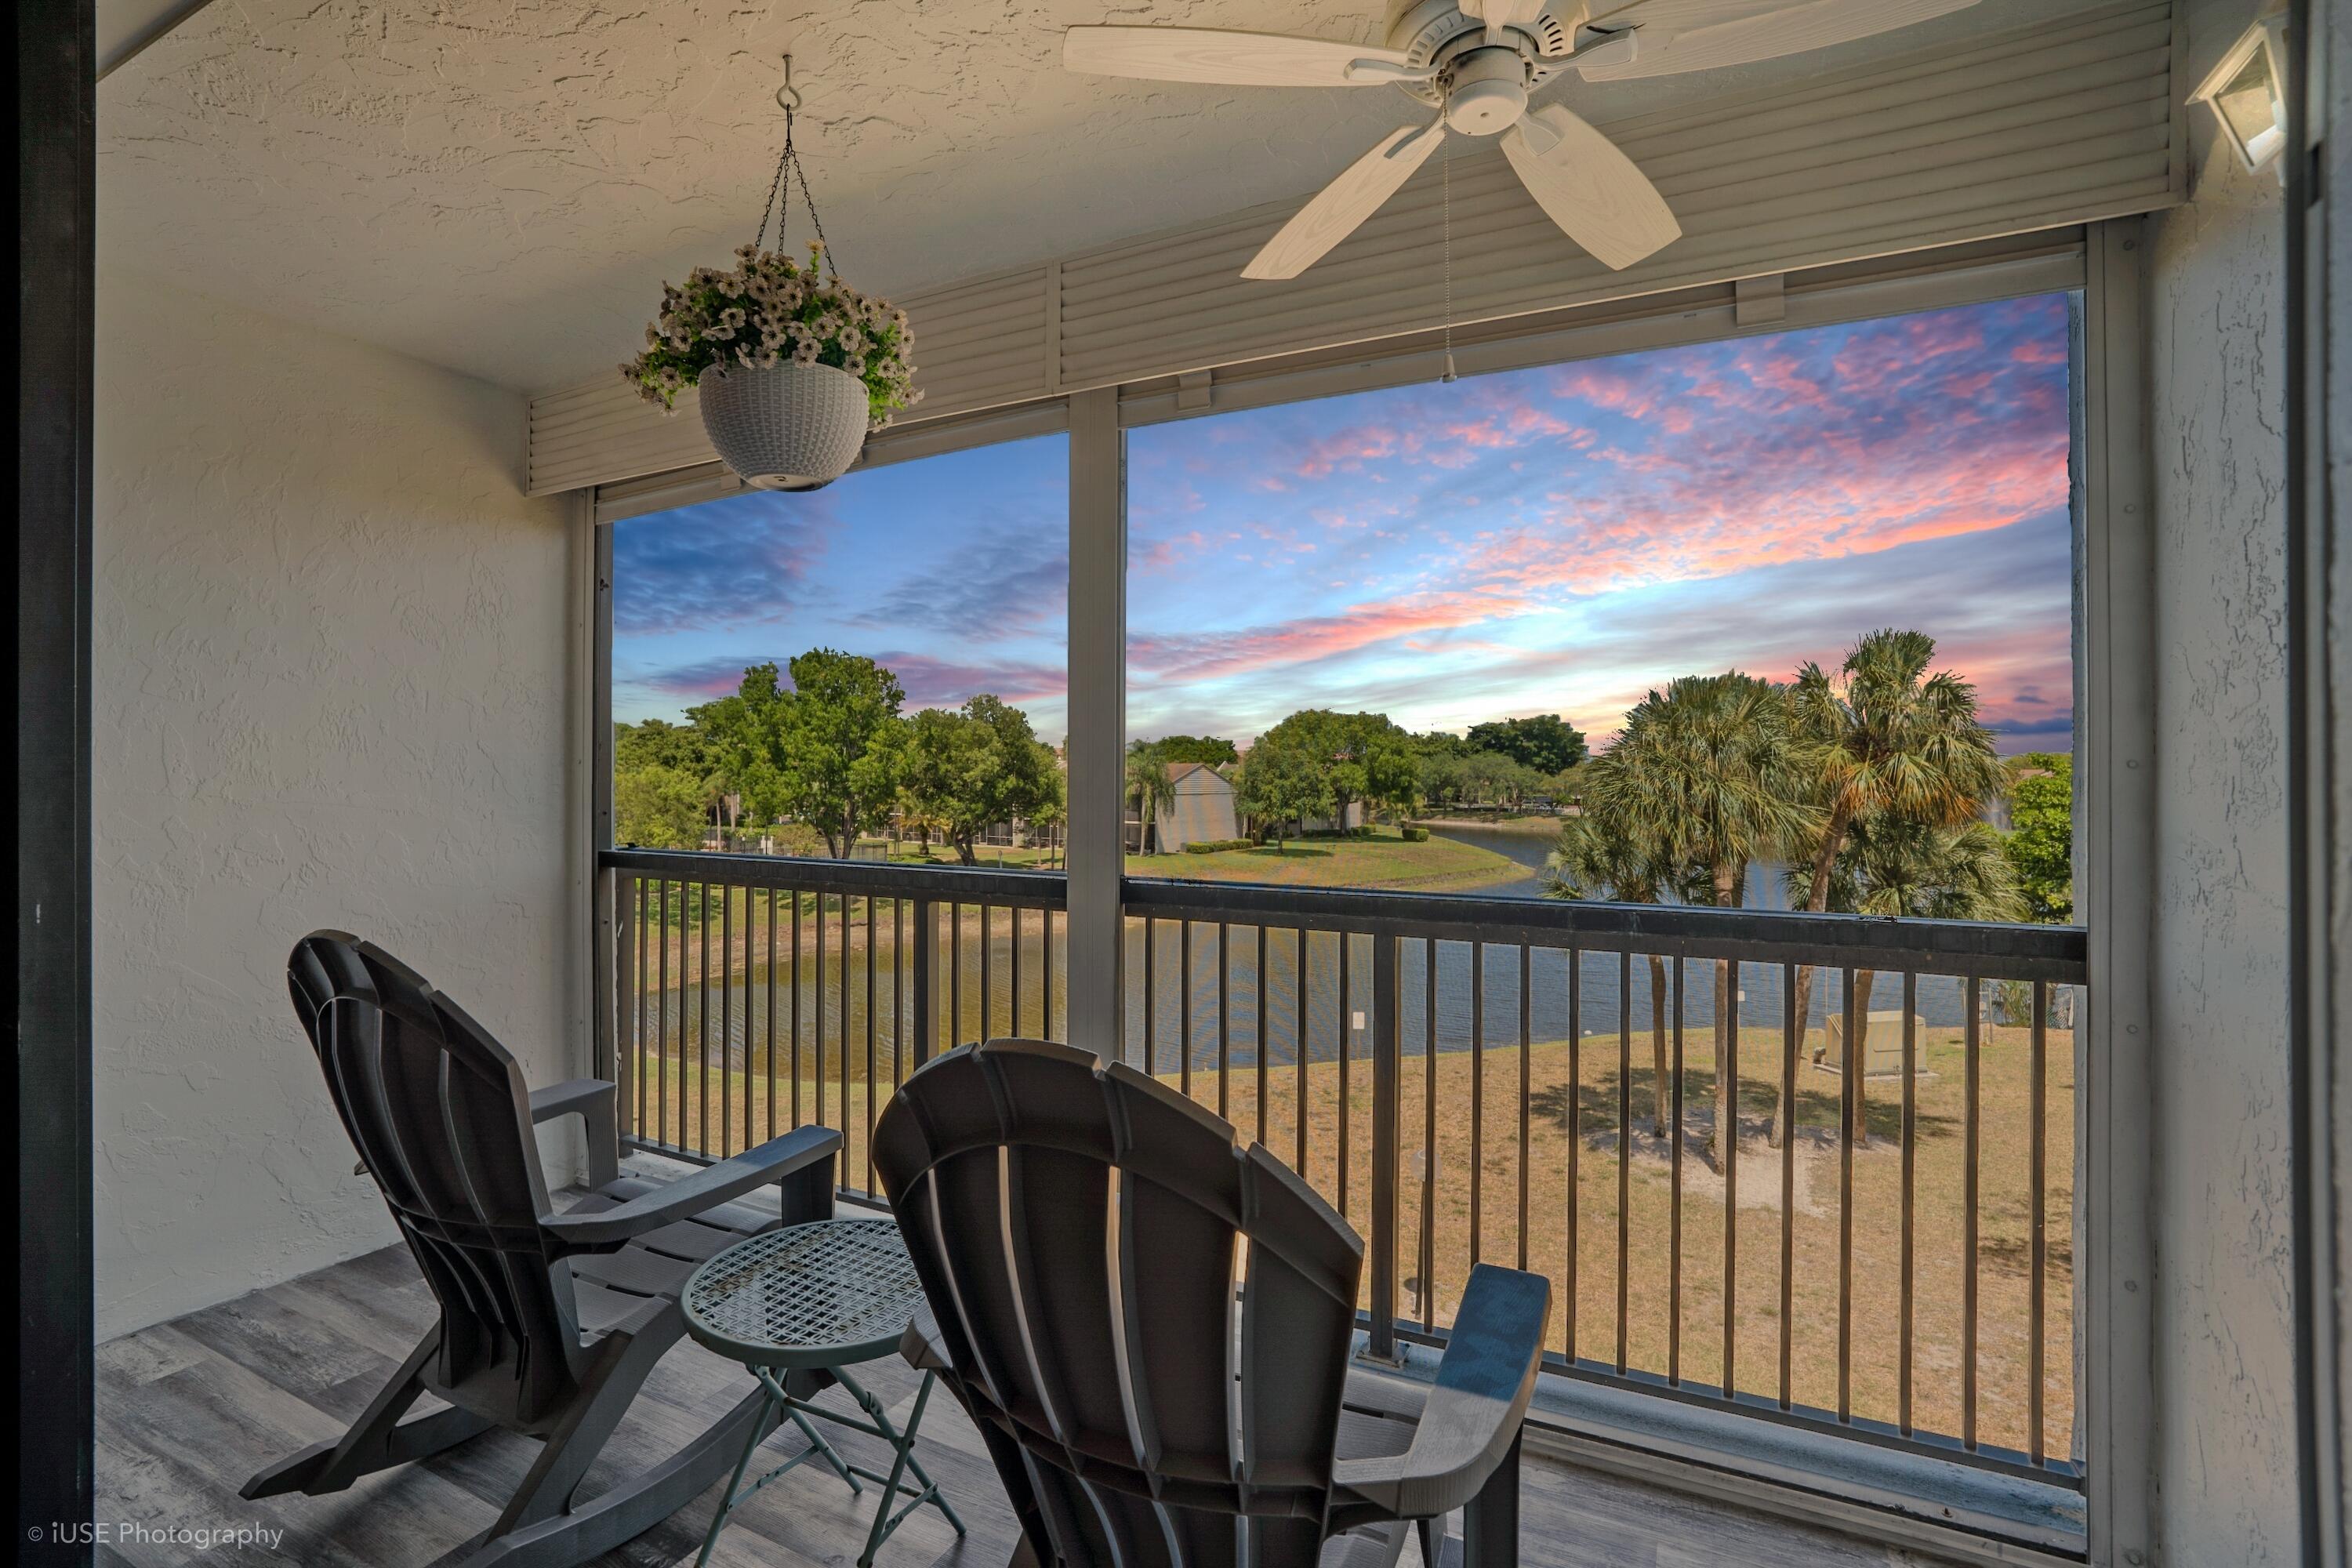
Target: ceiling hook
[(788, 96)]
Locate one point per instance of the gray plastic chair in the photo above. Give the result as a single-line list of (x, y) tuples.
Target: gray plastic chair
[(550, 1323), (1152, 1326)]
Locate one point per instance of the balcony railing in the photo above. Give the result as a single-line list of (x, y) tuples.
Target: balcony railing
[(1524, 1081)]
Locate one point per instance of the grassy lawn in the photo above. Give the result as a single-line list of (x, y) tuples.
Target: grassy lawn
[(1383, 860), (1490, 1202)]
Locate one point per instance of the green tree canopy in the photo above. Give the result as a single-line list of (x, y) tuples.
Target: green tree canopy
[(1214, 750), (1543, 742), (1362, 756), (1282, 781), (657, 807), (827, 750), (968, 769), (2041, 844)]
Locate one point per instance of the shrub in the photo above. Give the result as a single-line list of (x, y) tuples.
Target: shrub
[(1415, 835), (1215, 846)]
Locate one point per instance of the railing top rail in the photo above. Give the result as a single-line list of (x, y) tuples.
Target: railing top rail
[(2058, 954), (940, 884)]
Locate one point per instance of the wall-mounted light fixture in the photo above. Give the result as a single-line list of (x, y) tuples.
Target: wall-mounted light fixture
[(2247, 92)]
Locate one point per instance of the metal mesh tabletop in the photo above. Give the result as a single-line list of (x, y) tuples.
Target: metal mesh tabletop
[(829, 1294)]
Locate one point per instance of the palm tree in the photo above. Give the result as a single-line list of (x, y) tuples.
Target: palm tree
[(1602, 855), (1148, 785), (1901, 868), (1713, 766), (1895, 740)]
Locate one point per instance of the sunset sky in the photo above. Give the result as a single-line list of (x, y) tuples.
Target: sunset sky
[(1555, 539)]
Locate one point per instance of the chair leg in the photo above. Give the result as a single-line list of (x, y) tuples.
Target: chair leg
[(607, 1391), (377, 1440), (1490, 1524), (627, 1511)]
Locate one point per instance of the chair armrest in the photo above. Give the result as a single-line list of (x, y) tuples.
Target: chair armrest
[(1484, 1382), (921, 1346), (772, 1162), (594, 1100)]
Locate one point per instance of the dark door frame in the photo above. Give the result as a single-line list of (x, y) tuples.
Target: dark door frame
[(57, 143)]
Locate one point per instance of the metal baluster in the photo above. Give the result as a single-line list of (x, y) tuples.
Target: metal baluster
[(1184, 1012), (1477, 1099), (2038, 1171), (1971, 1119), (1903, 1350), (898, 994), (1847, 1074), (1346, 1038), (772, 1011), (796, 1007), (1675, 1187), (1386, 1070), (987, 976), (1428, 1061), (955, 975), (1527, 1089), (1625, 1143), (1791, 1043), (926, 941), (872, 1107), (1150, 997), (1726, 1141), (1298, 1038), (1260, 1036), (1225, 1013), (703, 1024), (1575, 1110), (661, 1116), (845, 1167), (726, 1022), (643, 936), (1045, 968), (817, 1042), (1013, 1001)]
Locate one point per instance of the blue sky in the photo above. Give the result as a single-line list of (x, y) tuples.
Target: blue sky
[(1555, 540)]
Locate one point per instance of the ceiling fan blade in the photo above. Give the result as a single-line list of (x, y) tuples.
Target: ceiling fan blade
[(1346, 202), (1699, 35), (1239, 59), (1585, 184)]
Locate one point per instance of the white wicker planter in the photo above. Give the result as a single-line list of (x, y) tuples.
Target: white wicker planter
[(795, 428)]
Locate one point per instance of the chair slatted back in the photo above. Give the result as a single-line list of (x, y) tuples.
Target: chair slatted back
[(1150, 1323), (440, 1114)]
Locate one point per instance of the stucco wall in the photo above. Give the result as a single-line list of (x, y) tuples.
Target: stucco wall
[(2225, 1447), (330, 651)]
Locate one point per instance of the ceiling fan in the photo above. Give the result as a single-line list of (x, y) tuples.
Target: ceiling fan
[(1476, 62)]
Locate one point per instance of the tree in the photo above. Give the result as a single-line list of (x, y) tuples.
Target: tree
[(656, 808), (1214, 750), (1362, 756), (1715, 762), (826, 751), (1610, 853), (1894, 740), (971, 768), (2041, 843), (1903, 868), (1542, 742), (1282, 781), (1152, 791)]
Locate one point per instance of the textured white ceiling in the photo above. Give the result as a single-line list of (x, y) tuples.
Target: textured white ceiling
[(500, 186)]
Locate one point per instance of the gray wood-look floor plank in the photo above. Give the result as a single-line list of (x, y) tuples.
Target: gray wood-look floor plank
[(188, 1409)]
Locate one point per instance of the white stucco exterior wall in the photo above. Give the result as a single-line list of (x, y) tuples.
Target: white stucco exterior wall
[(2223, 1326), (330, 666)]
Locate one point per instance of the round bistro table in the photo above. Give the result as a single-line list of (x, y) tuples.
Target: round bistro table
[(817, 1297)]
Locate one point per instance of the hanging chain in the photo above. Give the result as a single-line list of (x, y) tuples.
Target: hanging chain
[(1445, 227), (789, 98)]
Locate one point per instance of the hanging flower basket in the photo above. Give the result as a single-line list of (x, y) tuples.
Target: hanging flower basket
[(795, 367)]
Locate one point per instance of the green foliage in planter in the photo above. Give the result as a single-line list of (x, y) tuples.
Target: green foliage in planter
[(771, 311)]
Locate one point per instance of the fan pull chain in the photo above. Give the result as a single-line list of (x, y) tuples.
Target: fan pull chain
[(1445, 227)]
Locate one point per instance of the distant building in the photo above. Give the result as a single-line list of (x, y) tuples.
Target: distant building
[(1202, 811)]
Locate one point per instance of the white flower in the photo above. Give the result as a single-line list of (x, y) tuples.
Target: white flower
[(804, 351), (854, 364)]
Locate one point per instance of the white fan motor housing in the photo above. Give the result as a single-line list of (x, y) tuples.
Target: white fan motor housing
[(1490, 92)]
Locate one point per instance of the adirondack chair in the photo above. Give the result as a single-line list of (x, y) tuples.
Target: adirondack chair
[(550, 1323), (1151, 1327)]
